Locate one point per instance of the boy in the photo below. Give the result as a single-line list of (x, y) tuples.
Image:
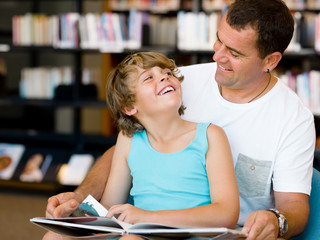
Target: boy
[(179, 172)]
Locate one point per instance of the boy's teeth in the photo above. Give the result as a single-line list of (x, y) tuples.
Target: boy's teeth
[(167, 89)]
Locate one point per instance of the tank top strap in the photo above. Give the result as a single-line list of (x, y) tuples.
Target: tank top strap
[(200, 140)]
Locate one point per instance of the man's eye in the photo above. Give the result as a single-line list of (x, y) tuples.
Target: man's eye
[(234, 55)]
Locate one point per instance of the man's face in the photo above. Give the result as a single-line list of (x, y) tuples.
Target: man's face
[(239, 64)]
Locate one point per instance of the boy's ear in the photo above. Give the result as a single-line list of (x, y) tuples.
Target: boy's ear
[(130, 111)]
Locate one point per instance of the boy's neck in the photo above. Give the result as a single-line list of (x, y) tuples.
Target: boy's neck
[(173, 136)]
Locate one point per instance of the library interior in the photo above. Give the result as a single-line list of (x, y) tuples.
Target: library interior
[(54, 60)]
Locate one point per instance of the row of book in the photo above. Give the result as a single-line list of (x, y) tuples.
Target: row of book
[(107, 31), (42, 165), (306, 32), (207, 5), (307, 87), (114, 32), (302, 4), (214, 5), (165, 5), (197, 31), (42, 82), (150, 5)]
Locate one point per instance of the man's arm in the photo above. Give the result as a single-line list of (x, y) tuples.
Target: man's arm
[(295, 207), (64, 204), (96, 180), (264, 224)]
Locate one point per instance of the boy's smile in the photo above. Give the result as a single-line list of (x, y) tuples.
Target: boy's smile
[(166, 89), (152, 84)]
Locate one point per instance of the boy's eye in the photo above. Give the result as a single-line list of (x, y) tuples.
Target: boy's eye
[(148, 78), (167, 71)]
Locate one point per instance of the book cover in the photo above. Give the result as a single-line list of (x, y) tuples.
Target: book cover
[(10, 156), (76, 170), (36, 167), (90, 223)]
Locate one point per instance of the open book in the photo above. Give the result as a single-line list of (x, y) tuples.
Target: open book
[(92, 224)]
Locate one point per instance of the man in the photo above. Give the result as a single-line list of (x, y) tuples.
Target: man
[(271, 132)]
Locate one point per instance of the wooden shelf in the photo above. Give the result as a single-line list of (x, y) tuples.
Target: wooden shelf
[(4, 101), (43, 187)]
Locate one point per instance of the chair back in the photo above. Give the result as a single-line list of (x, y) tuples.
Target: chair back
[(312, 230)]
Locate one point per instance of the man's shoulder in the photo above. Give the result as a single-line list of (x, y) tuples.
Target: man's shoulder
[(296, 104)]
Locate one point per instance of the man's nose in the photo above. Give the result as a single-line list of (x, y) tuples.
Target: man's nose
[(220, 54)]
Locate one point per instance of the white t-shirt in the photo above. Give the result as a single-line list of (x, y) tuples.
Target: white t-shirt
[(272, 138)]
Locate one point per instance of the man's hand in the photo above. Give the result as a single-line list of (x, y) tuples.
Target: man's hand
[(63, 204), (261, 225)]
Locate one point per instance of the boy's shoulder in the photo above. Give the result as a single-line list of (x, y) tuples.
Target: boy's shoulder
[(215, 131)]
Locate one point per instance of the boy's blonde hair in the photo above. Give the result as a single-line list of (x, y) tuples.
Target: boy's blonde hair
[(121, 87)]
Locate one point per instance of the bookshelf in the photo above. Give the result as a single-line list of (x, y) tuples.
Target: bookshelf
[(68, 120), (73, 118), (40, 40)]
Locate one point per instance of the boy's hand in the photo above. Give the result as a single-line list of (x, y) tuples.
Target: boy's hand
[(128, 213)]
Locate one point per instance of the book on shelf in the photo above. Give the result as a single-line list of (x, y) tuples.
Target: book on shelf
[(89, 221), (295, 43), (41, 82), (308, 28), (196, 31), (75, 170), (106, 32), (69, 32), (313, 4), (110, 32), (152, 5), (314, 83), (307, 87), (36, 167), (213, 5), (317, 33), (35, 29), (296, 4), (47, 82), (10, 156)]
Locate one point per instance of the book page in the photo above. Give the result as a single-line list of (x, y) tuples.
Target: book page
[(91, 207), (79, 224)]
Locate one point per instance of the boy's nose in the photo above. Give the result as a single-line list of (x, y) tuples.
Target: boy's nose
[(163, 77)]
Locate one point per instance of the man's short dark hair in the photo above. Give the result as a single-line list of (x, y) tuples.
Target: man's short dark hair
[(271, 19)]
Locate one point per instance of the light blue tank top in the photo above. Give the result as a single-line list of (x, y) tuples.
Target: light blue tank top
[(169, 180)]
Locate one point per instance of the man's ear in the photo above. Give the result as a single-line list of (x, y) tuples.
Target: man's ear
[(272, 60), (130, 111)]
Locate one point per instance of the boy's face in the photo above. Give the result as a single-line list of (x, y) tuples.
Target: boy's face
[(157, 91), (239, 64)]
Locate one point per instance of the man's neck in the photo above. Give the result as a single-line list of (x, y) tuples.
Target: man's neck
[(248, 95)]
